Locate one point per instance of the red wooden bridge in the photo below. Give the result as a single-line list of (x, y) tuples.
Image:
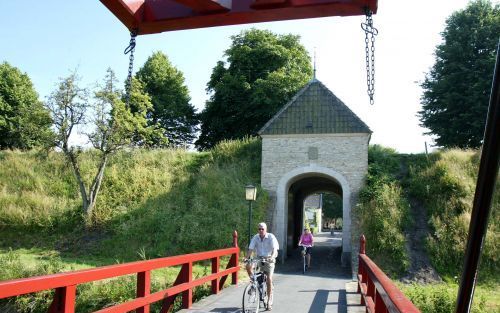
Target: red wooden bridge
[(376, 291)]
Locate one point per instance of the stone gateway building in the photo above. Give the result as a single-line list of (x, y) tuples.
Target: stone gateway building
[(314, 144)]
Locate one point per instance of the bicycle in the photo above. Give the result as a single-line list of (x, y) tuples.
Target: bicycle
[(256, 291), (304, 253)]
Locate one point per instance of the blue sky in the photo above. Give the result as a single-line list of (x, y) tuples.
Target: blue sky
[(48, 39)]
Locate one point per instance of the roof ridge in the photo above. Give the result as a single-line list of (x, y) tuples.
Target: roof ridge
[(286, 106), (354, 123)]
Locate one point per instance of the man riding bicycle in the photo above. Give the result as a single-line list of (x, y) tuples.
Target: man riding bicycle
[(265, 246)]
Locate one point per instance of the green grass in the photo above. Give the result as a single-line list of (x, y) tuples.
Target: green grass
[(445, 183), (441, 298), (382, 211), (157, 203), (153, 203)]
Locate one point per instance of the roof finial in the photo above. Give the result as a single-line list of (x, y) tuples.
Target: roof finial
[(314, 70)]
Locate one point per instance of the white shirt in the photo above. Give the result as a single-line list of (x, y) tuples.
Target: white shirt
[(264, 247)]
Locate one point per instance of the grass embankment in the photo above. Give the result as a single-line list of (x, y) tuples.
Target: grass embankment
[(163, 202), (152, 204), (444, 182), (383, 211)]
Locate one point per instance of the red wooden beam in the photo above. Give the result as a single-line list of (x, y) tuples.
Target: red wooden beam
[(215, 269), (64, 300), (66, 283), (155, 16), (127, 11), (378, 292), (143, 288), (204, 6), (168, 293), (27, 285)]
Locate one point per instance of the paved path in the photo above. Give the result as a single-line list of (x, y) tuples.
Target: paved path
[(326, 287)]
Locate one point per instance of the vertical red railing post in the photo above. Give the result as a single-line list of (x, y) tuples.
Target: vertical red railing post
[(187, 296), (64, 300), (379, 303), (215, 269), (143, 288), (234, 258), (362, 244), (370, 288), (361, 269)]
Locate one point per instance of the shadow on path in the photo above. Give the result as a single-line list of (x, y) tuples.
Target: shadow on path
[(321, 289)]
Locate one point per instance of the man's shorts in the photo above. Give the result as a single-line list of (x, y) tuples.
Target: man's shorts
[(268, 267)]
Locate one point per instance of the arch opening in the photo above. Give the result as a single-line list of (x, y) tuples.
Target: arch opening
[(328, 178), (305, 205), (292, 190)]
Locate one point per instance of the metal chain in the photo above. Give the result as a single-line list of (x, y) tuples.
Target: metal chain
[(370, 33), (130, 49)]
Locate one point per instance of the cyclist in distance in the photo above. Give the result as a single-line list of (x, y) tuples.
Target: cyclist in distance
[(307, 239), (265, 246)]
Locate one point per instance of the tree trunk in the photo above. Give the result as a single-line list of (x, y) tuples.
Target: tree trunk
[(96, 184), (76, 170)]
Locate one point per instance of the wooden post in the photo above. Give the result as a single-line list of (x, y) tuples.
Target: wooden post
[(187, 276), (361, 272), (362, 244), (215, 269), (234, 259), (64, 300), (380, 306), (143, 288)]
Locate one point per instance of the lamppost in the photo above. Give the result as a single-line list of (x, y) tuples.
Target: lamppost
[(250, 194)]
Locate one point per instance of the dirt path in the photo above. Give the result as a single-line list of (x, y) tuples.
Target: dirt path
[(421, 270)]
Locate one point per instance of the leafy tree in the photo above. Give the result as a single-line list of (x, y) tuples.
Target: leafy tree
[(172, 109), (115, 124), (456, 90), (263, 72), (332, 206), (24, 122)]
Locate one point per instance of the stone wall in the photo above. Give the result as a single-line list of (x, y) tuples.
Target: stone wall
[(343, 157)]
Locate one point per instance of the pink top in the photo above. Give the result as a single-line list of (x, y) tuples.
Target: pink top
[(306, 239)]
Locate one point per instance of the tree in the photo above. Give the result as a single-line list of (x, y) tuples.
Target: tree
[(264, 71), (24, 122), (332, 206), (172, 109), (456, 90), (115, 125)]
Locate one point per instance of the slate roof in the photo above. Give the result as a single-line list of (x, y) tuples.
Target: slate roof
[(314, 110)]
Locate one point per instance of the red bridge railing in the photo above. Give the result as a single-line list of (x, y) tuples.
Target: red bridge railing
[(65, 283), (378, 292)]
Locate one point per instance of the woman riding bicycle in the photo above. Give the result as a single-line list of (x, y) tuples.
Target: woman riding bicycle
[(265, 246), (307, 240)]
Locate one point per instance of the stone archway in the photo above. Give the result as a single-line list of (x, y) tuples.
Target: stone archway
[(282, 207)]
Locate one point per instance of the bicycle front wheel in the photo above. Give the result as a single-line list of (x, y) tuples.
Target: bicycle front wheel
[(264, 296), (251, 299)]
